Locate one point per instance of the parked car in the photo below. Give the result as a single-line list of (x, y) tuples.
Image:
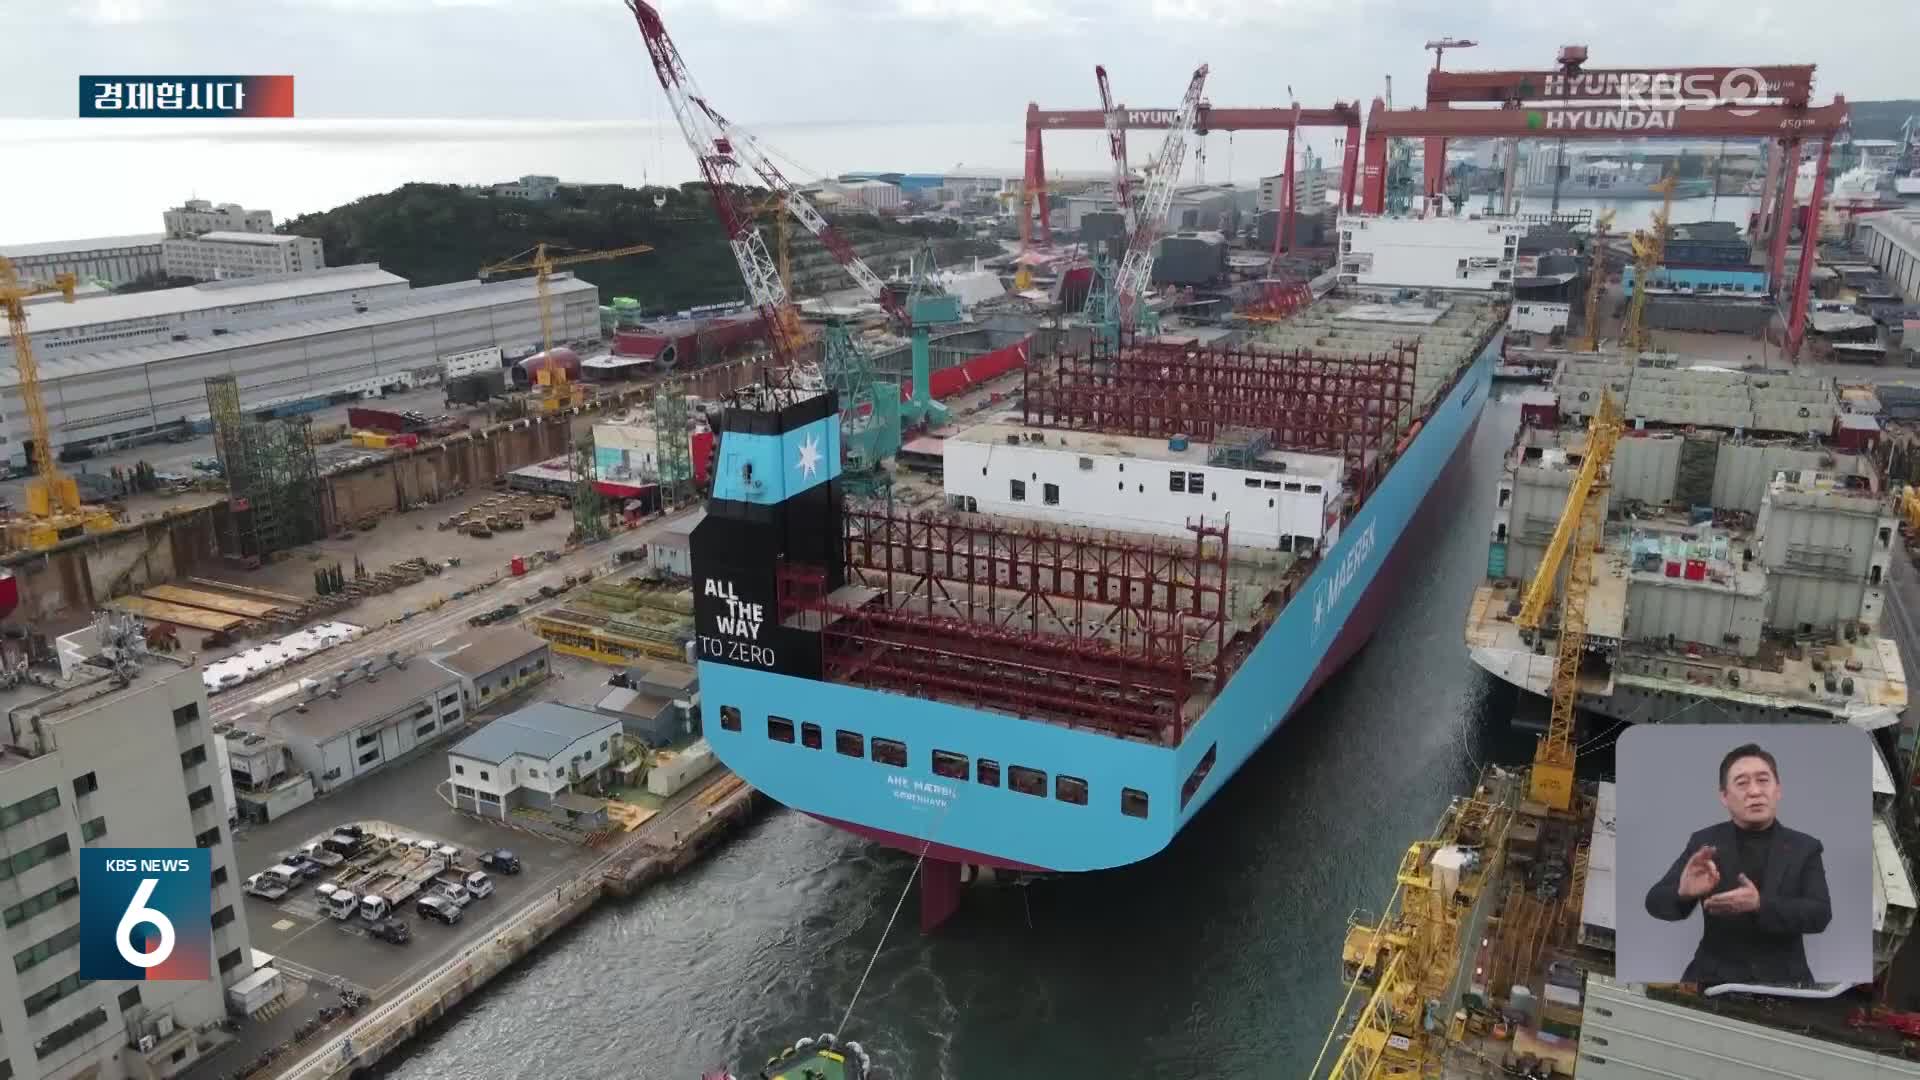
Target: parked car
[(309, 868), (435, 906), (500, 861), (264, 887), (391, 931)]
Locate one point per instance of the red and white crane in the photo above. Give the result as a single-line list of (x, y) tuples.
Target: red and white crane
[(722, 150), (1117, 144), (1136, 268)]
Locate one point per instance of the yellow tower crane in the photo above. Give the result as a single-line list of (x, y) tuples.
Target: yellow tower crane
[(543, 264), (1649, 248), (787, 324), (1597, 278), (53, 499), (1579, 529)]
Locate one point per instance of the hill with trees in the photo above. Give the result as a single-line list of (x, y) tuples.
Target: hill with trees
[(1881, 119), (432, 234)]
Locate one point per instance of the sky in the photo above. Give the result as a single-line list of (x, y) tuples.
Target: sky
[(478, 91), (787, 62)]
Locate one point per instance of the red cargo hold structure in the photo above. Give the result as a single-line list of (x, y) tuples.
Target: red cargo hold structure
[(682, 342), (379, 420)]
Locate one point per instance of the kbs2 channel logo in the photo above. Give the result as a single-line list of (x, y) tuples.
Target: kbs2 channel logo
[(146, 913)]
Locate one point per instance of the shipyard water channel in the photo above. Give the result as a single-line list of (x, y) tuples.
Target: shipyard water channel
[(1219, 957)]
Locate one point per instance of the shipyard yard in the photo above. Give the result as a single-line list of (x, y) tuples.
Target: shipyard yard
[(1027, 622)]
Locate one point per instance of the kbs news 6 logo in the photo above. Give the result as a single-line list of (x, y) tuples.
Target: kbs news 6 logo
[(146, 913)]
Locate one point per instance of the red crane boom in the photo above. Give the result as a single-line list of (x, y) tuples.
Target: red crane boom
[(721, 151)]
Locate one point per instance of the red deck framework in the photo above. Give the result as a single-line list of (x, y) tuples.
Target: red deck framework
[(1353, 406), (1087, 629)]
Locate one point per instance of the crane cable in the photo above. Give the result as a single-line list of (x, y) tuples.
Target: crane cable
[(925, 846)]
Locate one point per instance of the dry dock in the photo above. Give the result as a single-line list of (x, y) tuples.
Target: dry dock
[(663, 846)]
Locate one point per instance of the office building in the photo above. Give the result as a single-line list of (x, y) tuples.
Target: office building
[(198, 217), (216, 256), (118, 755)]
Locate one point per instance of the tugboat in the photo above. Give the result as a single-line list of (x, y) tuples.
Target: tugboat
[(824, 1058)]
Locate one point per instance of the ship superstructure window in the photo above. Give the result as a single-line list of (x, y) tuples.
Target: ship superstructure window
[(1196, 483), (1027, 781), (1177, 481), (779, 729), (1050, 494), (1133, 802), (987, 771), (1017, 490), (810, 736), (1070, 789), (949, 764), (1198, 776), (729, 718), (850, 743), (890, 752)]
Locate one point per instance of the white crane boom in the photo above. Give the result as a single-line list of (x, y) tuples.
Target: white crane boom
[(1136, 269)]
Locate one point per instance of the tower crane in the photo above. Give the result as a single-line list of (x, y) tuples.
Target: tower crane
[(53, 498), (538, 260), (1578, 530), (1597, 277), (722, 151), (1136, 268), (1649, 248), (1440, 46), (786, 329)]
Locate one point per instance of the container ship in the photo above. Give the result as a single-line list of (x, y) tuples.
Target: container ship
[(1496, 958), (1051, 657), (1742, 576)]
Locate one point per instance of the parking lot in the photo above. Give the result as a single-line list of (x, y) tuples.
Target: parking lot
[(404, 798)]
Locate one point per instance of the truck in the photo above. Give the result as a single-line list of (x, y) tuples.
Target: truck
[(452, 884), (501, 861), (335, 901), (406, 877), (323, 855)]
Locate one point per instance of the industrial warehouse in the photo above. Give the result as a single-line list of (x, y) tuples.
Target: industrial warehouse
[(287, 339)]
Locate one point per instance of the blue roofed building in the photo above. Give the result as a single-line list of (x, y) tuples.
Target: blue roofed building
[(543, 757)]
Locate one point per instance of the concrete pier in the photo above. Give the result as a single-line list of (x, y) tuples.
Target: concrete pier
[(676, 842)]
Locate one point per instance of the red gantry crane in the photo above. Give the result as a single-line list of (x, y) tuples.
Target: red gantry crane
[(1783, 90), (722, 150), (1207, 118), (1632, 116)]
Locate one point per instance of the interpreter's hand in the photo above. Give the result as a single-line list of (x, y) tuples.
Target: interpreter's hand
[(1700, 875), (1735, 901)]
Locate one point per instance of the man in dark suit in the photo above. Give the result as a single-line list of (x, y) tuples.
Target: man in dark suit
[(1759, 884)]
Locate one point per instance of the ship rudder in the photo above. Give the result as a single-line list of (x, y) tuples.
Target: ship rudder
[(939, 893)]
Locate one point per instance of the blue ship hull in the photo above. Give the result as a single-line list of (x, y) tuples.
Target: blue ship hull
[(962, 821)]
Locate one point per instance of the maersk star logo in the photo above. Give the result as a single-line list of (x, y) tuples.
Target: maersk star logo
[(809, 461)]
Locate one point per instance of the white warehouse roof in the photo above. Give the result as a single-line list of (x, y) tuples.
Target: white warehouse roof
[(210, 294), (441, 301), (64, 247)]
